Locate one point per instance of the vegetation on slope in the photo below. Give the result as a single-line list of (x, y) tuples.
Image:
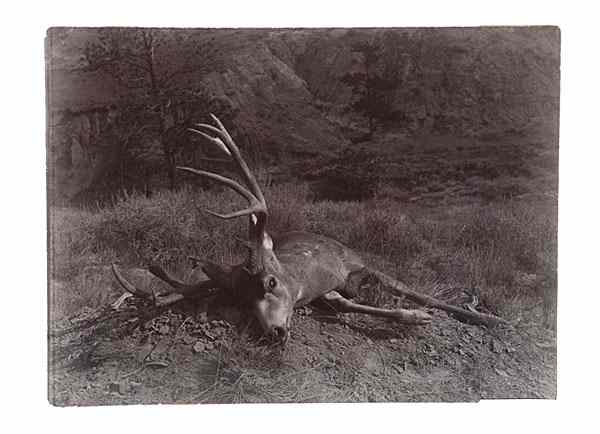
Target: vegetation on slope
[(288, 96)]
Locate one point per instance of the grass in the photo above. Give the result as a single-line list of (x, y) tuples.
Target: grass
[(506, 250)]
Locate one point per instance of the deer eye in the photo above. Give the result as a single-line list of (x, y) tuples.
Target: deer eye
[(271, 283)]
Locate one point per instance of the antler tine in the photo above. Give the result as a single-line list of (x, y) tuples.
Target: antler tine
[(128, 286), (222, 179), (216, 140), (257, 209), (255, 205), (236, 154), (226, 143), (210, 127), (243, 212)]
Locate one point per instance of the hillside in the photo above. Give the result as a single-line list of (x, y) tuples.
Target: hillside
[(283, 93)]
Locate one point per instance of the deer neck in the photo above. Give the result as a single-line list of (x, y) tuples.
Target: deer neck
[(272, 265)]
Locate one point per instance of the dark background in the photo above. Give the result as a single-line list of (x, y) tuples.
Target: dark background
[(416, 114)]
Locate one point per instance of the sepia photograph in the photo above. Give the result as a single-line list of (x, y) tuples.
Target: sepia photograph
[(302, 215)]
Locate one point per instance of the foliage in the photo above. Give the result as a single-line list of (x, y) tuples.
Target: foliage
[(159, 70), (157, 64), (370, 87), (353, 174)]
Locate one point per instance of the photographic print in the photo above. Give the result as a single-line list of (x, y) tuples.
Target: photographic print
[(302, 215)]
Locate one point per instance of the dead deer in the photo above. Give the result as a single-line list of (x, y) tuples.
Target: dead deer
[(292, 270)]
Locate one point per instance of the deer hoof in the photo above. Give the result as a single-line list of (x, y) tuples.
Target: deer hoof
[(415, 317)]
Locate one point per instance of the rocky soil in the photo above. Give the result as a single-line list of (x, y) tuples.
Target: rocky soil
[(196, 352)]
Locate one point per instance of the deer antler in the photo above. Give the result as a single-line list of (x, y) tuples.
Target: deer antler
[(219, 276), (257, 208), (226, 143), (180, 289)]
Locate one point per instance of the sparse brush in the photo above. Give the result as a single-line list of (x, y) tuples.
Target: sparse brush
[(505, 250), (287, 207)]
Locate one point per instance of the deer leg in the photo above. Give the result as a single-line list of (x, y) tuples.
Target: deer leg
[(405, 316), (401, 290)]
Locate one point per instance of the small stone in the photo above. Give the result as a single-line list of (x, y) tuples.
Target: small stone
[(164, 329), (199, 347), (494, 346), (188, 340), (394, 341)]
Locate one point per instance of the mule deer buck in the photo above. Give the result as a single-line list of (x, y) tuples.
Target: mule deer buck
[(292, 270)]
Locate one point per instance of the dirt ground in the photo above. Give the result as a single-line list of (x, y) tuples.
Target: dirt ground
[(196, 352)]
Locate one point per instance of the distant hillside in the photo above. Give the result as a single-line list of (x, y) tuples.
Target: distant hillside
[(461, 80), (283, 94)]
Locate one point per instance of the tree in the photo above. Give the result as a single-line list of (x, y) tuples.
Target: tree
[(370, 86), (160, 71)]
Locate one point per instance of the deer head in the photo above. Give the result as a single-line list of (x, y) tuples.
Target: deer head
[(260, 281)]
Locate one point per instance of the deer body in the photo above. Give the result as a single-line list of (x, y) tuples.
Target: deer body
[(316, 263), (292, 270)]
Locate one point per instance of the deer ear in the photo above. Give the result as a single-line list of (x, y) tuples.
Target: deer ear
[(267, 242)]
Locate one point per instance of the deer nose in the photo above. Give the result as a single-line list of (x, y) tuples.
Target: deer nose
[(279, 333)]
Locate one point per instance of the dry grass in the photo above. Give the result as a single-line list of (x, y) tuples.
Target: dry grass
[(505, 250)]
